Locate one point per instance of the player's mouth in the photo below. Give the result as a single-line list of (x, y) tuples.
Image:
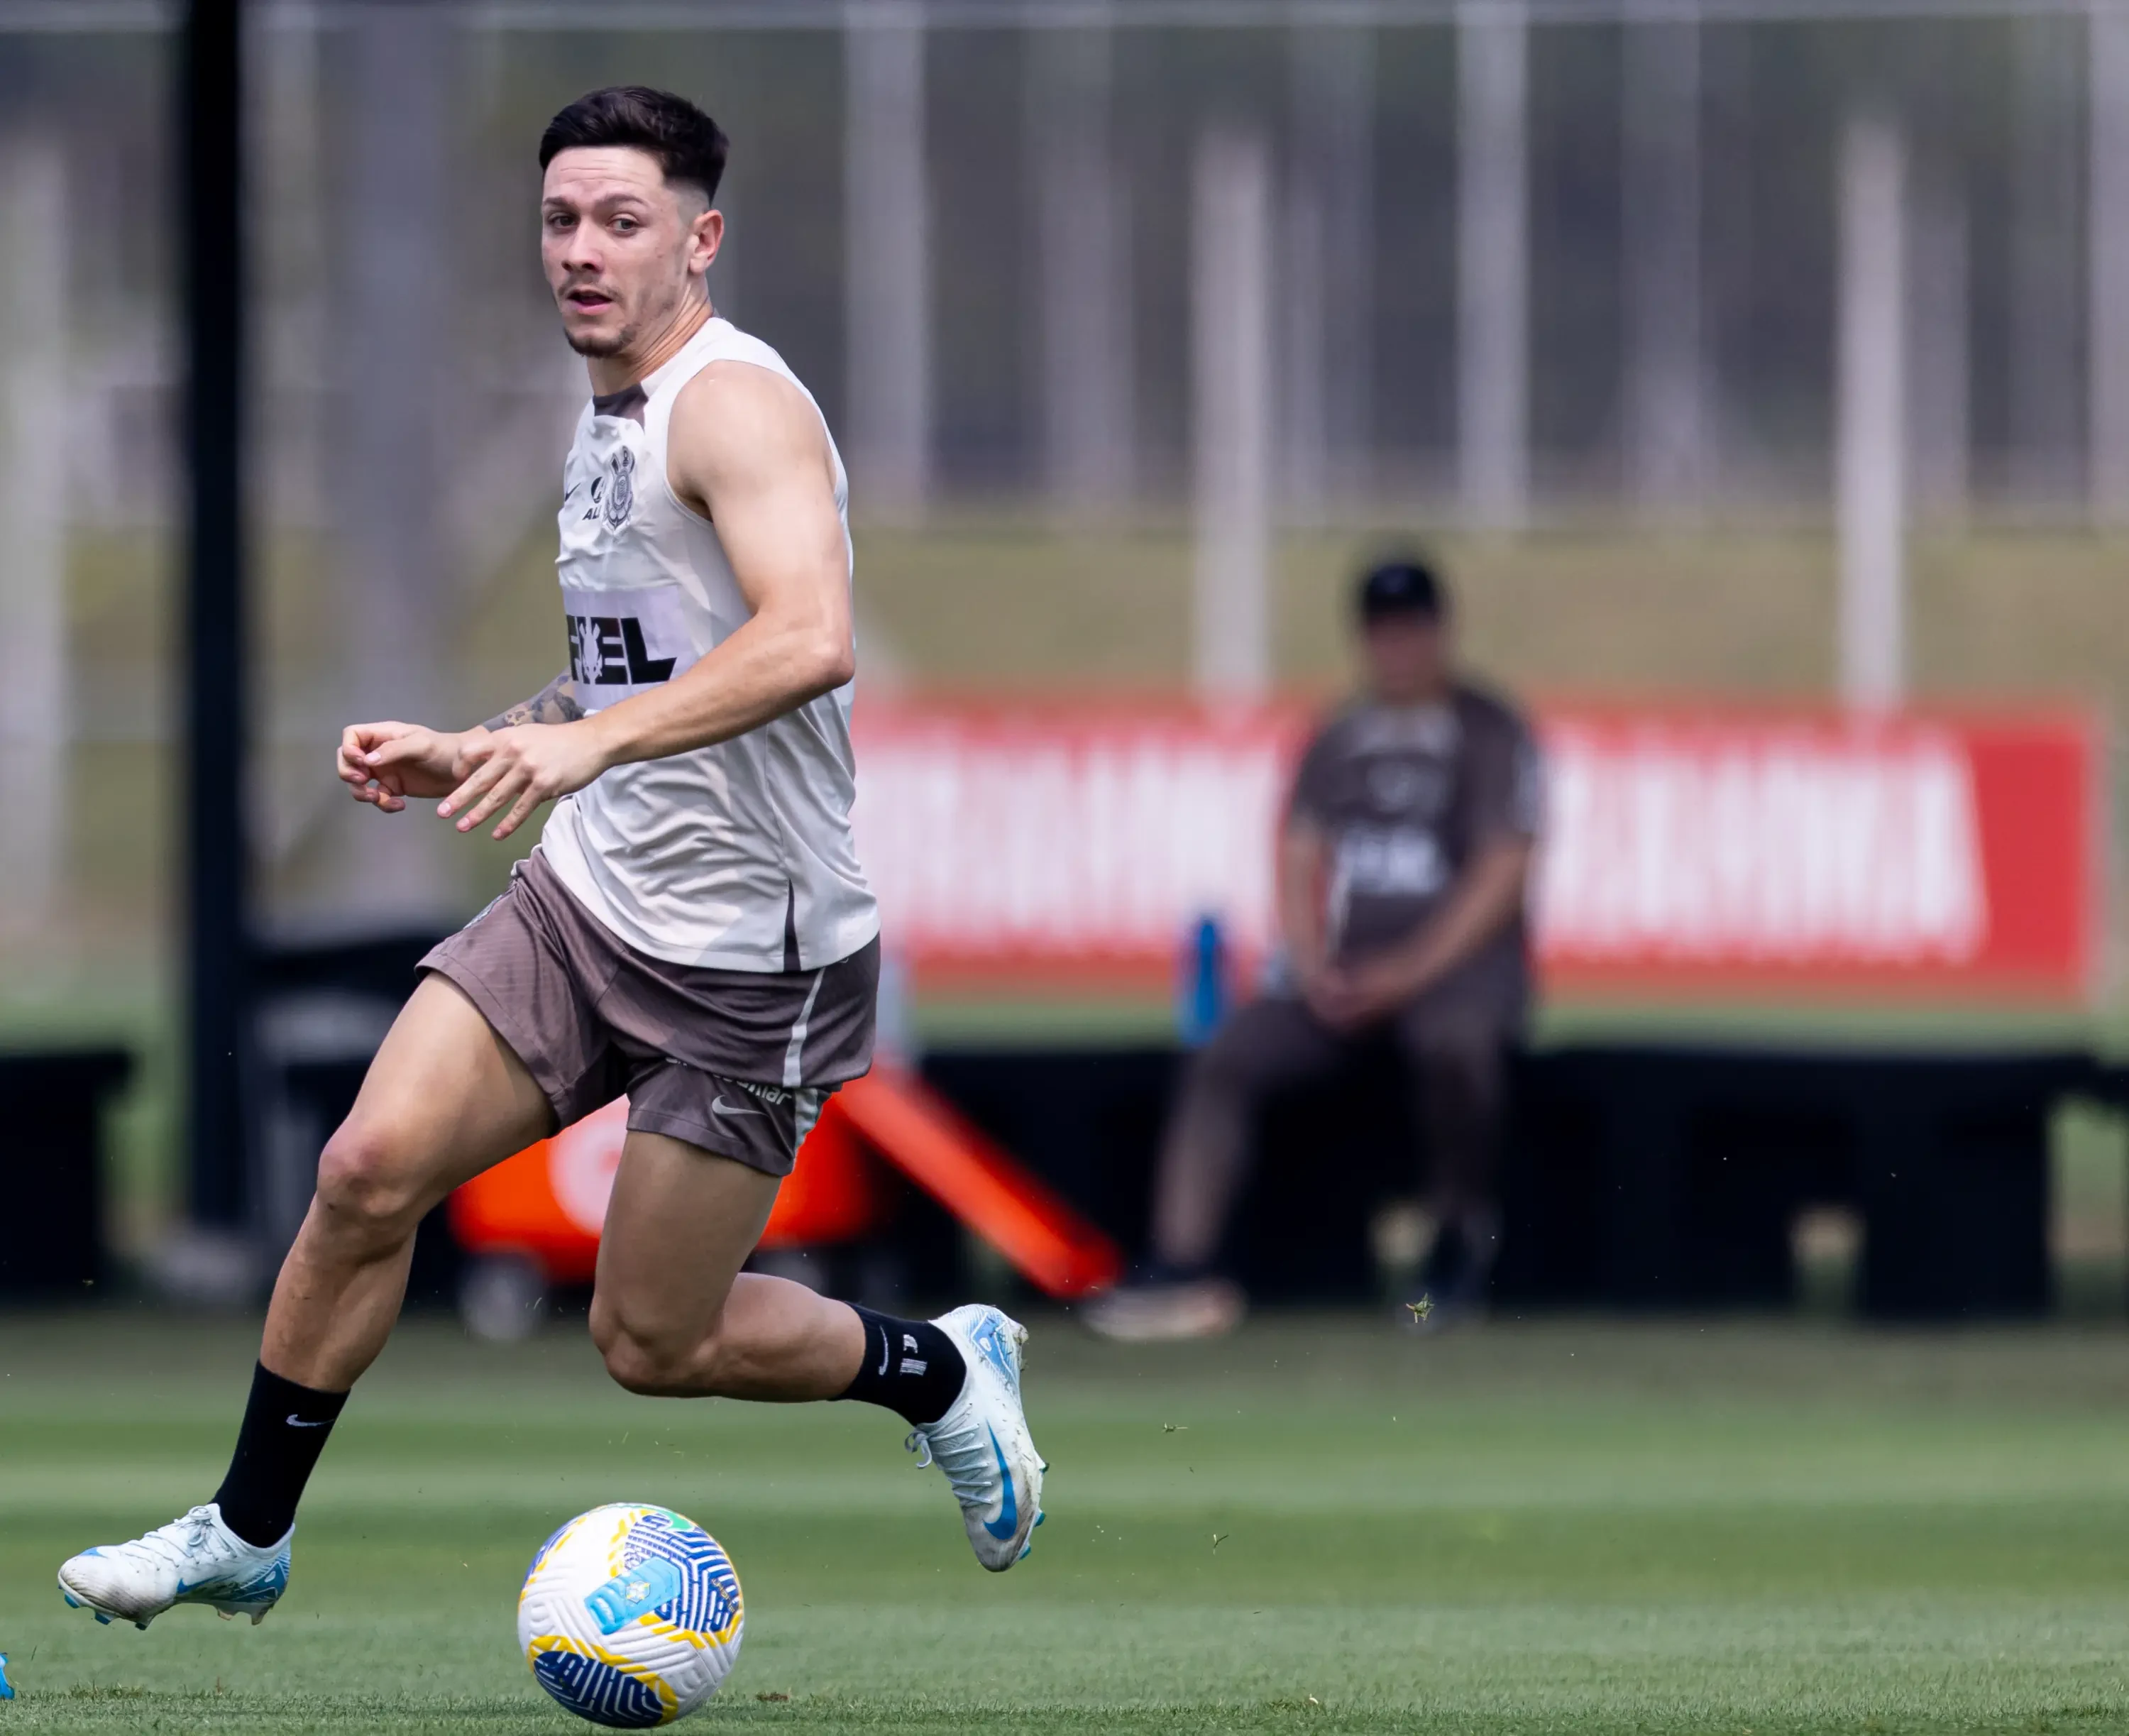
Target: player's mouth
[(588, 301)]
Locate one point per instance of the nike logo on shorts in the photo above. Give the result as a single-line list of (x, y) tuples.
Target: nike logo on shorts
[(726, 1111)]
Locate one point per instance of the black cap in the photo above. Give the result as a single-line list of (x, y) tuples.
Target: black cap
[(1403, 587)]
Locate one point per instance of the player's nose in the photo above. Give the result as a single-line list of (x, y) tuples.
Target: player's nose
[(579, 253)]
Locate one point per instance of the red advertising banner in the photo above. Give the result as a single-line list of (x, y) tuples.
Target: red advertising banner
[(1070, 840), (1690, 850), (1792, 851)]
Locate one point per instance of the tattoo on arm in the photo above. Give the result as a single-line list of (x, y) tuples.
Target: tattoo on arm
[(557, 702)]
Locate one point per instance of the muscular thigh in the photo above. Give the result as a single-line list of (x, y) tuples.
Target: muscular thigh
[(680, 1224), (1273, 1045), (1461, 1046), (444, 1099)]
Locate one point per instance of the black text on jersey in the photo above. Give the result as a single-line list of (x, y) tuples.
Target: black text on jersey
[(607, 650)]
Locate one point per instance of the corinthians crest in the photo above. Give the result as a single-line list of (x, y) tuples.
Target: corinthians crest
[(621, 490)]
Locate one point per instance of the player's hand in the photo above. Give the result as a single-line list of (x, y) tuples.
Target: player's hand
[(512, 772), (1349, 997), (382, 764), (1327, 993), (1331, 998)]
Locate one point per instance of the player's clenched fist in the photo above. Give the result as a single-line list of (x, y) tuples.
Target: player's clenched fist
[(512, 772)]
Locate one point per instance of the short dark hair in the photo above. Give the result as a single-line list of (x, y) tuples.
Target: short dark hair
[(1404, 584), (689, 144)]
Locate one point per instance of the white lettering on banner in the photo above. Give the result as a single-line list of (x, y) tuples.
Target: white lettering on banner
[(1105, 846), (1664, 843), (1764, 846)]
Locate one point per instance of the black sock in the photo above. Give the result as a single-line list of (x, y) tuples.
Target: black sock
[(284, 1431), (910, 1366)]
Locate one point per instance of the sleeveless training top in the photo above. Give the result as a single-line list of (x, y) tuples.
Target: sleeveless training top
[(739, 855)]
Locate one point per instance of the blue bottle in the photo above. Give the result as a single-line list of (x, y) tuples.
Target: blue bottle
[(1202, 1005)]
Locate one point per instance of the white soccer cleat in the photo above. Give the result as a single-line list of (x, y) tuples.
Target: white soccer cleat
[(982, 1443), (193, 1560)]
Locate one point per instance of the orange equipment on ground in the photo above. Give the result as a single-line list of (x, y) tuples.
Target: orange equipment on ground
[(549, 1202)]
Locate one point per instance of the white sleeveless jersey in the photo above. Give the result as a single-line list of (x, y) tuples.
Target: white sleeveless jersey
[(739, 855)]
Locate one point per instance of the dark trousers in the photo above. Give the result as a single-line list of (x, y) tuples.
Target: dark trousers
[(1454, 1049)]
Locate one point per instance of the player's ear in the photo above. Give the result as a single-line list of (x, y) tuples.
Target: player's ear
[(708, 231)]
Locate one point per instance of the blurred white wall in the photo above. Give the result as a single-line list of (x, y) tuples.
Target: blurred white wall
[(1663, 359), (1493, 263), (887, 261), (1080, 197), (1232, 392), (1326, 288), (35, 695), (1871, 455)]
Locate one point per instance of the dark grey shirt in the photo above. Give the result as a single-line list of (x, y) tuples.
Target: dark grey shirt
[(1405, 799)]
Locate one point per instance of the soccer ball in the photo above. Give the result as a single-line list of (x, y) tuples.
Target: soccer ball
[(630, 1616)]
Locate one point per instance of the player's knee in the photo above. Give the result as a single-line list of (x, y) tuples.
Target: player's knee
[(1228, 1068), (364, 1191), (655, 1364), (636, 1366), (1212, 1068)]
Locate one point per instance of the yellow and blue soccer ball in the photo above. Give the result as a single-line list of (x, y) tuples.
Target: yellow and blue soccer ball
[(630, 1616)]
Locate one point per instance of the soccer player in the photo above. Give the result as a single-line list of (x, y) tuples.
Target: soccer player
[(1403, 869), (694, 928)]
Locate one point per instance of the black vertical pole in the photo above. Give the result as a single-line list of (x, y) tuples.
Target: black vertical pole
[(211, 778)]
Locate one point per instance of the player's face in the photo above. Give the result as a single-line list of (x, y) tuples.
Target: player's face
[(624, 251), (1407, 657)]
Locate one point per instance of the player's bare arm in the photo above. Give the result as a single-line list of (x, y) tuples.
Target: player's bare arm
[(747, 453), (1303, 860), (557, 702)]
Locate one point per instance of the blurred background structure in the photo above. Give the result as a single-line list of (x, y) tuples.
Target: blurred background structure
[(1767, 351)]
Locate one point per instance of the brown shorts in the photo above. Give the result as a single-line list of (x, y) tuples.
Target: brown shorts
[(736, 1062)]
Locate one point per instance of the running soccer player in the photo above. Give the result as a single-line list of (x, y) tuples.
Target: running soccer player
[(693, 930)]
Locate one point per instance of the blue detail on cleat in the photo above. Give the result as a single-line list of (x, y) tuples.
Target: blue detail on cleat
[(1038, 1518), (101, 1619), (1008, 1519), (989, 1338), (6, 1687), (71, 1602)]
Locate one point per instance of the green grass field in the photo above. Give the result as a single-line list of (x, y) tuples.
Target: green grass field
[(1571, 1527)]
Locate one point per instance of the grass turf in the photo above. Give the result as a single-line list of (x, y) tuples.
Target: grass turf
[(1530, 1529)]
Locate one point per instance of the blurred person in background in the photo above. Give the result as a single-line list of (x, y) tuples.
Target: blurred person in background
[(1404, 866)]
